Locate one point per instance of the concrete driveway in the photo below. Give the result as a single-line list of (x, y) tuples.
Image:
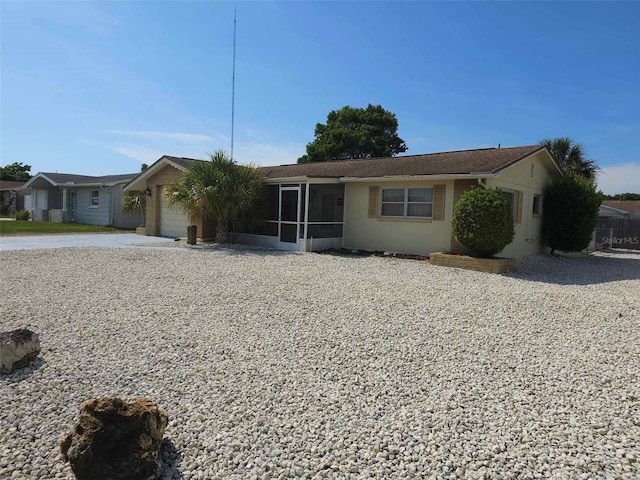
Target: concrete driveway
[(113, 240)]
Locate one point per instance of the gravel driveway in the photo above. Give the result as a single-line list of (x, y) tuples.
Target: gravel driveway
[(284, 365)]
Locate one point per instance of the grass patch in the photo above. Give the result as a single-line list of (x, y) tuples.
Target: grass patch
[(19, 227)]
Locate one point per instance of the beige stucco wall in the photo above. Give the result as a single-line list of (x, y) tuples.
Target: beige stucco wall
[(422, 237), (417, 237), (519, 177), (166, 176)]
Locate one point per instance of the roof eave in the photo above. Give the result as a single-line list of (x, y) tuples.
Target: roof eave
[(155, 167), (37, 176), (502, 168), (303, 179), (439, 176)]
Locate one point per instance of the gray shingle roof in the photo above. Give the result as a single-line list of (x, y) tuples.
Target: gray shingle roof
[(481, 161), (60, 178), (11, 185), (182, 161)]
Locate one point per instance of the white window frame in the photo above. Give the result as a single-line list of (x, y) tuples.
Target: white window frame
[(94, 201), (405, 202)]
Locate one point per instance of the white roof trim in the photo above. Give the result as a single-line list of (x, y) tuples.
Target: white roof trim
[(619, 210), (549, 156), (389, 178), (396, 178), (36, 176)]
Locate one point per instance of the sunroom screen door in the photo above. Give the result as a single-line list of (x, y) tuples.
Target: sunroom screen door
[(289, 215)]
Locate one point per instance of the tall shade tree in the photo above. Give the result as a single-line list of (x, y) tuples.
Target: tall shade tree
[(219, 191), (570, 157), (16, 172), (355, 133)]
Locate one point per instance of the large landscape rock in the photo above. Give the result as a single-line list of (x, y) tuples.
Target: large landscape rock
[(116, 440), (18, 348)]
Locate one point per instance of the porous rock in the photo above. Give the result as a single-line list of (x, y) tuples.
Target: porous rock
[(18, 348), (116, 440)]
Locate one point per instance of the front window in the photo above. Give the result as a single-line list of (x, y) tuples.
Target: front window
[(537, 205), (511, 198), (407, 202), (95, 198)]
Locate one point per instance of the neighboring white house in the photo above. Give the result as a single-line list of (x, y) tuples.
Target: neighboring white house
[(63, 197)]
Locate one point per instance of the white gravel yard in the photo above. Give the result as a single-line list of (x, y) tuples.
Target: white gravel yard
[(276, 365)]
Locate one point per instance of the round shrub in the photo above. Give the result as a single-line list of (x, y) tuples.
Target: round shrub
[(23, 215), (483, 222)]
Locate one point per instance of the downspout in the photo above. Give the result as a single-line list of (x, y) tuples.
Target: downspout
[(483, 185), (306, 218), (108, 190)]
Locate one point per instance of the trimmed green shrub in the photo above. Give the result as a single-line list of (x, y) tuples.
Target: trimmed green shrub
[(483, 222), (23, 215), (570, 213)]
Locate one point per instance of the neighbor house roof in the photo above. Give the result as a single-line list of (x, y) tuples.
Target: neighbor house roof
[(481, 161), (626, 205), (68, 179), (11, 185)]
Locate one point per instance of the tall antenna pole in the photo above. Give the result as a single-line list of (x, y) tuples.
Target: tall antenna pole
[(233, 81)]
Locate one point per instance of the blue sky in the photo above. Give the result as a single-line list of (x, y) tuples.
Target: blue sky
[(98, 88)]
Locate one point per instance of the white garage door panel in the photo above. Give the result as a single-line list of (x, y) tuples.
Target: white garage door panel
[(173, 221)]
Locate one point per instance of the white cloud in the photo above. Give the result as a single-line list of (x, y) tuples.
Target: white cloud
[(144, 155), (147, 146), (621, 178), (264, 154), (181, 137)]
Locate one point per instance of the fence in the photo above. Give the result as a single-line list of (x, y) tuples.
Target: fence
[(625, 233)]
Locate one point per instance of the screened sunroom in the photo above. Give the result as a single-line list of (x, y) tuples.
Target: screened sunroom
[(301, 216)]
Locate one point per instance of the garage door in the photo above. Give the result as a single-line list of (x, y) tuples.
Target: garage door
[(173, 221)]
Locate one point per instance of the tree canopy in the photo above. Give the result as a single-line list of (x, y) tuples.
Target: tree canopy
[(355, 133), (218, 190), (16, 172), (570, 157)]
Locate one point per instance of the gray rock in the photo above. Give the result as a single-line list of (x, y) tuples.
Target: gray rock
[(18, 348)]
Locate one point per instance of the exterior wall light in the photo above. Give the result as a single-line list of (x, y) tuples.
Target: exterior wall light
[(148, 192)]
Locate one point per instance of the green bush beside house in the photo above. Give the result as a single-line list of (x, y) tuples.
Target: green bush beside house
[(483, 222)]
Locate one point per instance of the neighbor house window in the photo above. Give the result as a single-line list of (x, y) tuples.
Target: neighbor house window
[(537, 205), (407, 202), (95, 198)]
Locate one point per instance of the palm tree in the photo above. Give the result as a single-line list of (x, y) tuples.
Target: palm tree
[(135, 202), (570, 157), (217, 190)]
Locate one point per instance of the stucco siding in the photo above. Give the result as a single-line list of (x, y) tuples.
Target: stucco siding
[(531, 177), (167, 176), (412, 236), (97, 214)]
